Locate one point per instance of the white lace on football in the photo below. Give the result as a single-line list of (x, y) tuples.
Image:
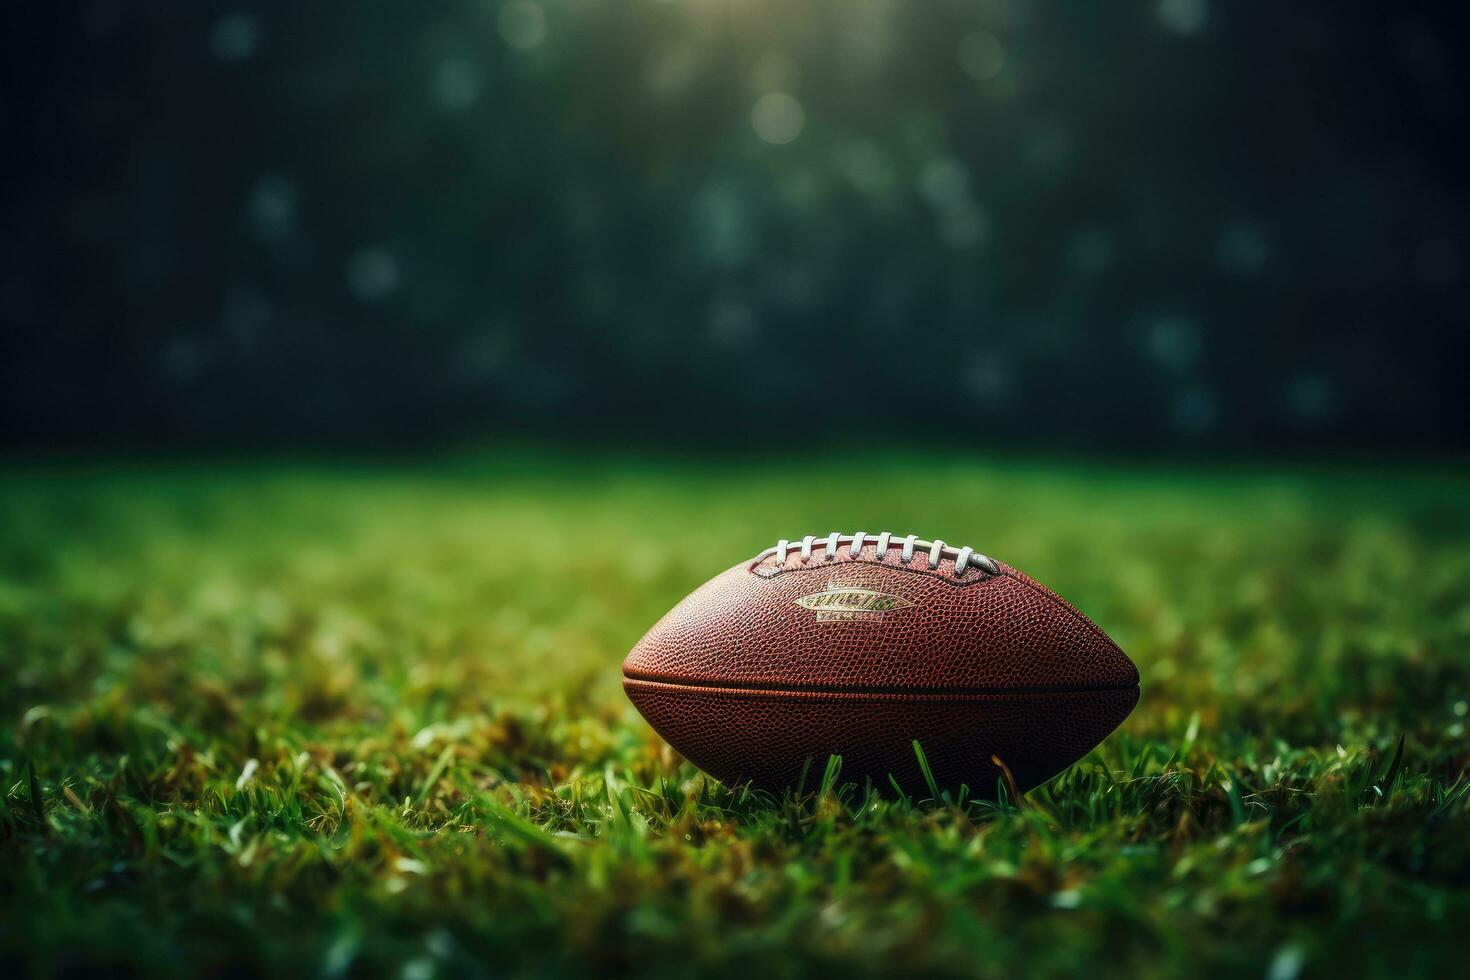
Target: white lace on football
[(938, 550)]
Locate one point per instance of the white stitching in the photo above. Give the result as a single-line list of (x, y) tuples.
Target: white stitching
[(961, 560), (937, 549)]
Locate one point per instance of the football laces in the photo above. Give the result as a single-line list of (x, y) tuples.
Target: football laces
[(937, 550)]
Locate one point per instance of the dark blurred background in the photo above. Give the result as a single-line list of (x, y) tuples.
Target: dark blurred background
[(1116, 226)]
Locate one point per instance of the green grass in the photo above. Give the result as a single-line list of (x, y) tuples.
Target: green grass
[(323, 720)]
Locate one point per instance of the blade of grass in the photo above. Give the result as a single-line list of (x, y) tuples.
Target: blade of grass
[(1392, 773), (38, 802), (1012, 789), (928, 773), (830, 774), (440, 765)]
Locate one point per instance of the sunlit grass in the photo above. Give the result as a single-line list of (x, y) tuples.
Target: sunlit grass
[(316, 719)]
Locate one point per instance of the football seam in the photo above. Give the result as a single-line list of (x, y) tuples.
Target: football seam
[(862, 691)]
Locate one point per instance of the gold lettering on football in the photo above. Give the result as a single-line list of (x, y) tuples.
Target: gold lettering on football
[(844, 603)]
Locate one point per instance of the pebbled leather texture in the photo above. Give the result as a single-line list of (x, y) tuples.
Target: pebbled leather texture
[(767, 738), (771, 664)]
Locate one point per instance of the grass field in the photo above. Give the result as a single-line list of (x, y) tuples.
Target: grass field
[(310, 719)]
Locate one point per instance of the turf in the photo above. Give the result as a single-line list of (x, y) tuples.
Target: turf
[(310, 719)]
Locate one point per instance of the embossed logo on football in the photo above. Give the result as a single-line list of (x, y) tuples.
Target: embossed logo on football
[(840, 603)]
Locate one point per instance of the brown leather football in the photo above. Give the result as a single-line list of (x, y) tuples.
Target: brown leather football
[(858, 646)]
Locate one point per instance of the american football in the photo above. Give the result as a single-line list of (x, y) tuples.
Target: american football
[(860, 645)]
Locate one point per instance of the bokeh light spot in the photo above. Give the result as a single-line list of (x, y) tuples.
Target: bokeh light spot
[(235, 37), (457, 84), (988, 377), (372, 274), (674, 70), (1049, 146), (944, 182), (722, 222), (868, 167), (732, 324), (1172, 341), (981, 55), (964, 227), (777, 117), (522, 23), (1243, 249), (482, 355), (1186, 17), (801, 188), (183, 359), (1091, 251), (272, 210), (1310, 398)]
